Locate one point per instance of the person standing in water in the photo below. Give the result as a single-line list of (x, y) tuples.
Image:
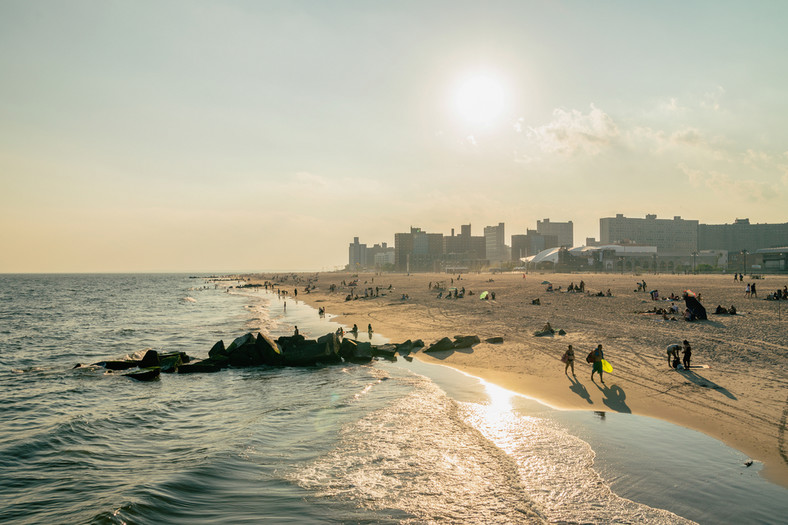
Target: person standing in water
[(597, 356)]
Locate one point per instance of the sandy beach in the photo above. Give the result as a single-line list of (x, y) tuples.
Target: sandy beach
[(740, 399)]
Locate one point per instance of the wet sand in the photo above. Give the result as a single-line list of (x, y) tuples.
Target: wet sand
[(741, 399)]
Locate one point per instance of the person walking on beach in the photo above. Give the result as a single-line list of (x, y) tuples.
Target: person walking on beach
[(569, 359), (753, 293), (596, 358), (687, 355)]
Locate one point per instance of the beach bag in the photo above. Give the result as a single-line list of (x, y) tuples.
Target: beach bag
[(590, 357), (564, 358)]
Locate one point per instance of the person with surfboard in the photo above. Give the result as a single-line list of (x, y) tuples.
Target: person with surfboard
[(595, 358)]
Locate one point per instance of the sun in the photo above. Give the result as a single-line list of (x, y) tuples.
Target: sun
[(480, 99)]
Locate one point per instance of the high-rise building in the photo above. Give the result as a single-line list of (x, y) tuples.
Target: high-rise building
[(675, 235), (418, 251), (495, 246), (464, 251), (357, 255), (564, 231)]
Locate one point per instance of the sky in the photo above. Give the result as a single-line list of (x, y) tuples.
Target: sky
[(210, 136)]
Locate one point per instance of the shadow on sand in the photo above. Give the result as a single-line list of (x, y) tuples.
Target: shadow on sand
[(444, 354), (699, 380), (615, 398), (578, 388)]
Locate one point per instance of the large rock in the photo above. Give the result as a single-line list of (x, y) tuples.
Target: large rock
[(170, 363), (145, 374), (118, 365), (309, 353), (240, 341), (200, 367), (441, 345), (151, 358), (332, 340), (466, 341), (387, 351), (218, 349), (243, 352), (355, 352), (270, 350)]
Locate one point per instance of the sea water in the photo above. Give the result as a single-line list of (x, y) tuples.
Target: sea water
[(401, 442)]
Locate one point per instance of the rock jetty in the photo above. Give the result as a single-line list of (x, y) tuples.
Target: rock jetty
[(260, 350)]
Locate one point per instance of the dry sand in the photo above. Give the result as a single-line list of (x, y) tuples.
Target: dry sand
[(741, 399)]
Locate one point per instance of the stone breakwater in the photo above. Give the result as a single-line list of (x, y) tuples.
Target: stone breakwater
[(294, 351)]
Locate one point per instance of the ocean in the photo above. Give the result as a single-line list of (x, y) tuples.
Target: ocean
[(386, 442)]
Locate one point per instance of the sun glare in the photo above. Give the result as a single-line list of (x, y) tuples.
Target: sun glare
[(480, 99)]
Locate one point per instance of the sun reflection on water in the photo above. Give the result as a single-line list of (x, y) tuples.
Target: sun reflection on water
[(500, 398)]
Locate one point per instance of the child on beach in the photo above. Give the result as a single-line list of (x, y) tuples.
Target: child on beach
[(687, 354)]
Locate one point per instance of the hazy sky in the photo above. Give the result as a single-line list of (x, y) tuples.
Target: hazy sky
[(240, 136)]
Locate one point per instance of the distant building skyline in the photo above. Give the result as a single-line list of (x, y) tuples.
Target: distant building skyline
[(419, 250)]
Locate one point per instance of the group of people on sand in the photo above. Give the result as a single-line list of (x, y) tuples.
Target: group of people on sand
[(577, 288), (721, 310), (778, 295), (673, 355), (595, 358), (750, 290)]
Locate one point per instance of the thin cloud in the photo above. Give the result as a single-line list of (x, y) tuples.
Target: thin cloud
[(724, 184), (572, 132)]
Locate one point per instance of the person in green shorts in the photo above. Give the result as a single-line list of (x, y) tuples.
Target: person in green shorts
[(598, 355)]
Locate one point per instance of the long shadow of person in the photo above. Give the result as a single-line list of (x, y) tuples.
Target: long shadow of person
[(578, 388), (699, 380), (615, 398)]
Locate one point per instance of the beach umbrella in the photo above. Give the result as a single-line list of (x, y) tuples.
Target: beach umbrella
[(483, 295), (546, 282), (690, 293)]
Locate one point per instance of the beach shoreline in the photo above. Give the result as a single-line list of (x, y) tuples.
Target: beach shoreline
[(739, 399)]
